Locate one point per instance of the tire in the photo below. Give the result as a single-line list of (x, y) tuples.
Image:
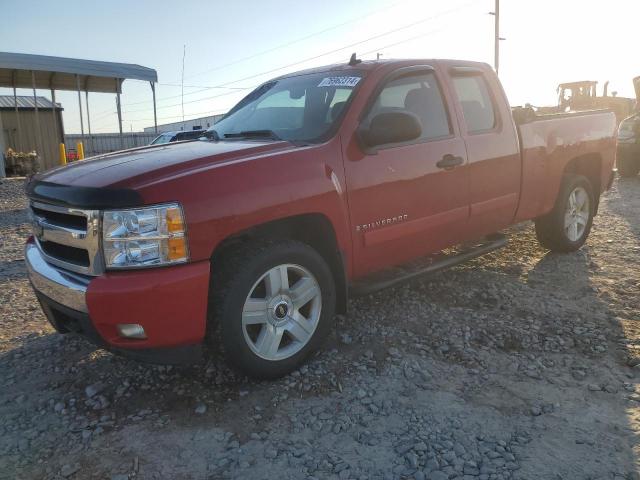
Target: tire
[(628, 165), (267, 330), (555, 230)]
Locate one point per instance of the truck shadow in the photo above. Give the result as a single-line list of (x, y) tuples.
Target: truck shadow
[(627, 192), (541, 329)]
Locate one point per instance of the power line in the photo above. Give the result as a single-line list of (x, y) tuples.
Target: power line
[(422, 35), (389, 32), (298, 40), (237, 89), (204, 89), (384, 34), (201, 87), (191, 101), (195, 115), (198, 86), (263, 52)]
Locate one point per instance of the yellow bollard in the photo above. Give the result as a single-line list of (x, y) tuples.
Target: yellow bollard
[(80, 150), (63, 155)]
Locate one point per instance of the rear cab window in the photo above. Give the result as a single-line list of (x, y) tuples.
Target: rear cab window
[(477, 104)]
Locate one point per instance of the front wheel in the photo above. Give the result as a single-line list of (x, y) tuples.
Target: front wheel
[(567, 226), (275, 305)]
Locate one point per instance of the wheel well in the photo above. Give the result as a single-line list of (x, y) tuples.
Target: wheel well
[(589, 166), (313, 229)]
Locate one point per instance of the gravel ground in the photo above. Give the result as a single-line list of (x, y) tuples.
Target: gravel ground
[(518, 365)]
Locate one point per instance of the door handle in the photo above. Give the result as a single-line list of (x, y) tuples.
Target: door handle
[(450, 161)]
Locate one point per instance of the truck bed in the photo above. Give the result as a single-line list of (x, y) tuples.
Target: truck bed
[(549, 141)]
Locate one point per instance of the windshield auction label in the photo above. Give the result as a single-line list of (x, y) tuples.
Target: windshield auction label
[(339, 82)]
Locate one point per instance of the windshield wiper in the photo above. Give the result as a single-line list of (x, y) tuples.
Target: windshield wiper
[(270, 134)]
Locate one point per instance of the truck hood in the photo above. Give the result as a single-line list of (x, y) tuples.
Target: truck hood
[(135, 167)]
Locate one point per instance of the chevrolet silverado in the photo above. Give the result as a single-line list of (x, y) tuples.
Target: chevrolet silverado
[(318, 184)]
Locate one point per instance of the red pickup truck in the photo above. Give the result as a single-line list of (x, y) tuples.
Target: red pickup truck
[(317, 184)]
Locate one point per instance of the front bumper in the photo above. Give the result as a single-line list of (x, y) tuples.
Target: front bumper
[(170, 303), (63, 287)]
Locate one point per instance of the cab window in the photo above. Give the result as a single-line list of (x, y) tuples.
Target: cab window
[(420, 95), (477, 104)]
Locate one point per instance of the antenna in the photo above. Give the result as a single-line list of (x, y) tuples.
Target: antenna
[(184, 53), (353, 60)]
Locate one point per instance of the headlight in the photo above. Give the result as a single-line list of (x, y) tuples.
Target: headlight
[(144, 237)]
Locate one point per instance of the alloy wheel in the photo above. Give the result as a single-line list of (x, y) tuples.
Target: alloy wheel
[(577, 212), (281, 312)]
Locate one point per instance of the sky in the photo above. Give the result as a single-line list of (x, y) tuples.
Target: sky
[(232, 47)]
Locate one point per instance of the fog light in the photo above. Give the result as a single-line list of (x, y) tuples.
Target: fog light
[(131, 330)]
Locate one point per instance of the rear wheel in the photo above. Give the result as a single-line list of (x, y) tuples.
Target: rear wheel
[(628, 165), (275, 306), (567, 226)]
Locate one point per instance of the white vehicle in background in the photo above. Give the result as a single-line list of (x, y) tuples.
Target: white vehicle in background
[(168, 137)]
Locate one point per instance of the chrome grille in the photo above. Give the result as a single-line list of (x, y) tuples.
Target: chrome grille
[(68, 237)]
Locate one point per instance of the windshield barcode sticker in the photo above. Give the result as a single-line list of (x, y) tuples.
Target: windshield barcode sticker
[(339, 82)]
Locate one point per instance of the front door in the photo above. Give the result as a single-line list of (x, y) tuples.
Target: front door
[(404, 200)]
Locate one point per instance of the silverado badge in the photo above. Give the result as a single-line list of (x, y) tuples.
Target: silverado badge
[(381, 223)]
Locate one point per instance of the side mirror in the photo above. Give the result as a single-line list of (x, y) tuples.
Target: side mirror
[(391, 127)]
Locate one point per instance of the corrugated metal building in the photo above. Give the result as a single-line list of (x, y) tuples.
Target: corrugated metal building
[(99, 143), (51, 127), (194, 124)]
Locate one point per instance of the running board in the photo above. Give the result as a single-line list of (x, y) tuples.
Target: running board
[(426, 266)]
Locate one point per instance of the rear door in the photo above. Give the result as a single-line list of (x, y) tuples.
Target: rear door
[(403, 205), (492, 148)]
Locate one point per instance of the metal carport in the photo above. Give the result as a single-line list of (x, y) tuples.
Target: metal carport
[(20, 70)]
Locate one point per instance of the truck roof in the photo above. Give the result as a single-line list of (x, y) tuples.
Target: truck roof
[(370, 65)]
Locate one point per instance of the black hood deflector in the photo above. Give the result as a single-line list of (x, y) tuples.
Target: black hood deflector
[(82, 197)]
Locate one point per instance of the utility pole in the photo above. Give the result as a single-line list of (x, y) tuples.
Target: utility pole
[(497, 37)]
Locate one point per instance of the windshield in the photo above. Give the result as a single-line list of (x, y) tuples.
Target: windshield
[(304, 108), (163, 138)]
